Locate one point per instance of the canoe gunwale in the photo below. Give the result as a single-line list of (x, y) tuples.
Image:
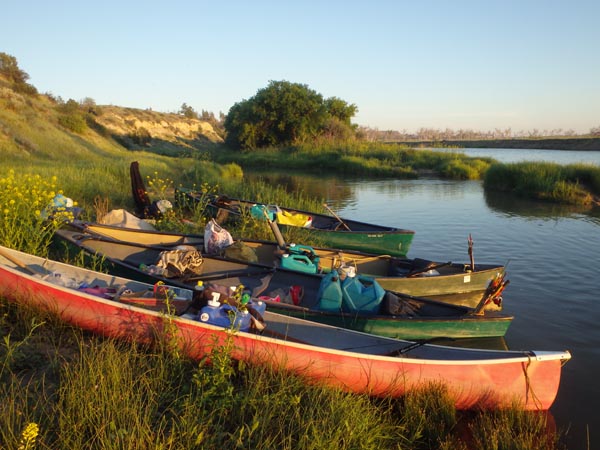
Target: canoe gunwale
[(475, 378)]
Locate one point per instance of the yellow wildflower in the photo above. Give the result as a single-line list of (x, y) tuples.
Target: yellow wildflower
[(28, 436)]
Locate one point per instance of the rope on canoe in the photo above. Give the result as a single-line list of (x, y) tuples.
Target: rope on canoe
[(528, 387)]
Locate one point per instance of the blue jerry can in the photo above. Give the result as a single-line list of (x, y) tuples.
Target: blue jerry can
[(220, 315)]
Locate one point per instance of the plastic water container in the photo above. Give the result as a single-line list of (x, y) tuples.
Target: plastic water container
[(361, 294), (220, 315), (306, 250), (298, 263), (299, 249), (258, 305), (329, 295), (242, 320), (258, 211)]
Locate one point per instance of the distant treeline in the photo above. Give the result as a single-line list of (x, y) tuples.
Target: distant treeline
[(436, 135), (539, 143)]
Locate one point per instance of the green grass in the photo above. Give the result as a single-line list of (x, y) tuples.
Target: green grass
[(360, 159), (575, 184)]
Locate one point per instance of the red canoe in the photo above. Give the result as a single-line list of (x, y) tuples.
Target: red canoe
[(332, 356)]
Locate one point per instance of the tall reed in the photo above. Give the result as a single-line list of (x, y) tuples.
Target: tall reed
[(575, 184), (360, 158)]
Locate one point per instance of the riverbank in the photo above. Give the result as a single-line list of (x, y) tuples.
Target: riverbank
[(583, 144)]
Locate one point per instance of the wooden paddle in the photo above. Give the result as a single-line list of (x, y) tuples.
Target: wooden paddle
[(470, 242), (427, 269), (19, 263), (337, 217)]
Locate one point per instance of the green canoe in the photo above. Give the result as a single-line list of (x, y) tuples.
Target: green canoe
[(389, 314), (333, 232)]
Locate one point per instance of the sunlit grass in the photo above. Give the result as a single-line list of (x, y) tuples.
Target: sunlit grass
[(574, 184), (361, 159)]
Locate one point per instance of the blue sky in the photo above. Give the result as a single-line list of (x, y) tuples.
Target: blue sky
[(457, 64)]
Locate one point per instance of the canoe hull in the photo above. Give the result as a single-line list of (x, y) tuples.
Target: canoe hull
[(474, 378), (393, 242), (360, 236), (413, 328), (432, 319)]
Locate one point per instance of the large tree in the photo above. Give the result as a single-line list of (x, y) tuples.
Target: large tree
[(283, 113)]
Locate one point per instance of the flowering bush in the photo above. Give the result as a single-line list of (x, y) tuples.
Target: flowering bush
[(159, 187), (27, 219)]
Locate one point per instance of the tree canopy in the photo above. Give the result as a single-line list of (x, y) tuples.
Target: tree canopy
[(10, 69), (285, 113)]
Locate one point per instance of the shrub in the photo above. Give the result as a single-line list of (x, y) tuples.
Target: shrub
[(74, 122), (25, 202)]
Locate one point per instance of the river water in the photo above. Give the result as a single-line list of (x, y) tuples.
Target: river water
[(551, 252)]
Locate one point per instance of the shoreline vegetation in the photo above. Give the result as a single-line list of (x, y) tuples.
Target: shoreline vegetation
[(572, 184), (541, 143), (41, 130)]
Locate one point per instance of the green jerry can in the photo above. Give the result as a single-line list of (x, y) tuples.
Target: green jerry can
[(361, 294), (298, 263)]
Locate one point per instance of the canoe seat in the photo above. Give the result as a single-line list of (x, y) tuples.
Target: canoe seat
[(399, 269)]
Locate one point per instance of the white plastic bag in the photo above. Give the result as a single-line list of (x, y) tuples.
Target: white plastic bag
[(216, 238)]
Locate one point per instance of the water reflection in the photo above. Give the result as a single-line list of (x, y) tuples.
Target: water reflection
[(349, 194), (329, 187)]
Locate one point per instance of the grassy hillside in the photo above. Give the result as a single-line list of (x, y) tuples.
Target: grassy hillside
[(89, 147), (38, 126)]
